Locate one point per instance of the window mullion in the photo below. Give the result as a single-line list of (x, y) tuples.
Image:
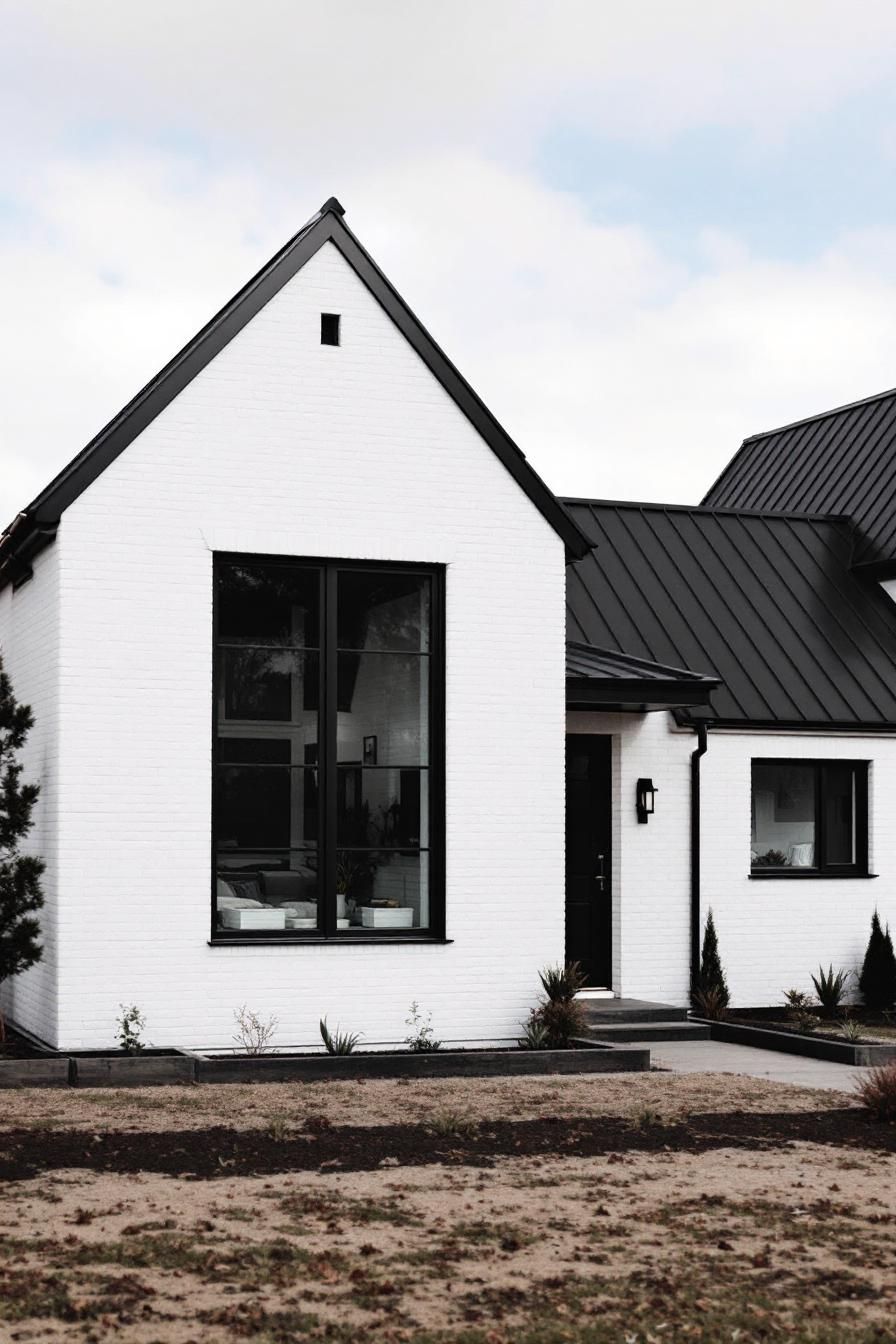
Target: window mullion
[(329, 780)]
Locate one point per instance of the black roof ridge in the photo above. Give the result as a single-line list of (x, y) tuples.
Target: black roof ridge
[(683, 672), (772, 514), (822, 415), (35, 526)]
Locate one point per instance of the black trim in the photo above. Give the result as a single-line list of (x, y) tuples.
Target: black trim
[(328, 721), (875, 570), (381, 937), (816, 726), (35, 527), (696, 917), (859, 868), (647, 694), (816, 874)]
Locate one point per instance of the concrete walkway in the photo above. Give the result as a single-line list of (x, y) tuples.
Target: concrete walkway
[(720, 1057)]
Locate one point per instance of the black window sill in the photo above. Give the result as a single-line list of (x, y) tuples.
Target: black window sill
[(342, 940), (813, 873)]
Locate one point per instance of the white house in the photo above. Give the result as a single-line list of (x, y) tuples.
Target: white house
[(292, 628)]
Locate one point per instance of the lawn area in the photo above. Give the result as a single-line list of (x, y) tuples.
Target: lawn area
[(609, 1209)]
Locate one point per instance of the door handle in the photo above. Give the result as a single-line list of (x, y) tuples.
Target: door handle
[(599, 875)]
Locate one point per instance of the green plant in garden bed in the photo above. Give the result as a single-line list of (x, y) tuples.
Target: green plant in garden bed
[(710, 996), (131, 1024), (552, 1023), (830, 988), (800, 1010), (421, 1039), (338, 1042), (877, 981)]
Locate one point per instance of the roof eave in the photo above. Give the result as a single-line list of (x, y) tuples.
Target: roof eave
[(635, 694)]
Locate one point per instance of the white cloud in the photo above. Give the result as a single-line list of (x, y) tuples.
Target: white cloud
[(310, 86), (619, 372), (156, 153)]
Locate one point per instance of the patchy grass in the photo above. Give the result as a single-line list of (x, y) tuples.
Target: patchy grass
[(790, 1243)]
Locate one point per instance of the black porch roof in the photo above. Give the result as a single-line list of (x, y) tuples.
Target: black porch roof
[(605, 679)]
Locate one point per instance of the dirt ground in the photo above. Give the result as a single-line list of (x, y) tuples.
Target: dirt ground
[(787, 1242)]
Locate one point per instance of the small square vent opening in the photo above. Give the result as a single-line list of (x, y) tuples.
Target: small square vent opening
[(329, 328)]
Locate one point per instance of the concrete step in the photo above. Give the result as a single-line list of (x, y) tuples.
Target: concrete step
[(648, 1031), (608, 1011)]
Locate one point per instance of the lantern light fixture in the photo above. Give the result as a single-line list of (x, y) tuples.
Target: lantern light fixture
[(645, 797)]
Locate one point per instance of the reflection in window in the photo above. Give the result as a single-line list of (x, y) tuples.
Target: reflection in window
[(283, 863), (809, 816)]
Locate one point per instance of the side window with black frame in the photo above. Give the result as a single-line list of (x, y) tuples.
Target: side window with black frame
[(809, 817), (328, 719)]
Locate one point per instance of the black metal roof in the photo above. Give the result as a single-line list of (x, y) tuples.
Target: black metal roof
[(766, 602), (841, 461), (36, 526), (606, 679)]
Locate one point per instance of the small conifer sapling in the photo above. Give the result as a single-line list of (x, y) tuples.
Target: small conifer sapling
[(877, 981), (20, 890), (710, 995)]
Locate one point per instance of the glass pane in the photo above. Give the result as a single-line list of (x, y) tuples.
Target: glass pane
[(783, 834), (382, 807), (383, 611), (269, 604), (383, 889), (839, 814), (259, 807), (267, 892), (270, 685), (383, 701)]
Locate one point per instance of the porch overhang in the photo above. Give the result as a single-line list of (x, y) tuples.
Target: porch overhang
[(603, 679)]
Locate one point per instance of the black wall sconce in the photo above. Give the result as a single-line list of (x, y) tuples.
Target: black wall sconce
[(645, 795)]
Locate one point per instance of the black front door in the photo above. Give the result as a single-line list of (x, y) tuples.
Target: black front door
[(588, 821)]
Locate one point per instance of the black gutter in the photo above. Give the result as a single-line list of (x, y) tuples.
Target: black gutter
[(592, 692), (701, 730)]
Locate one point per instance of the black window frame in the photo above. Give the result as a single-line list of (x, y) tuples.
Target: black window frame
[(328, 765), (821, 868)]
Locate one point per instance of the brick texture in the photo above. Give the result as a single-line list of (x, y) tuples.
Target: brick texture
[(284, 446)]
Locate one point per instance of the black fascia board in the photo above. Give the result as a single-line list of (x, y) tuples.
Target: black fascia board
[(875, 569), (685, 719), (582, 692), (44, 512)]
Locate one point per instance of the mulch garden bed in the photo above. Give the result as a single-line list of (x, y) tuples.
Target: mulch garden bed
[(828, 1029), (207, 1153), (19, 1047)]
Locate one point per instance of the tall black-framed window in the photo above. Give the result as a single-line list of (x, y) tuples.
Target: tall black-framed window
[(809, 818), (327, 817)]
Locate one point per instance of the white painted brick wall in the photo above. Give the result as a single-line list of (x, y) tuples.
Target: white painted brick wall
[(285, 446), (651, 863), (29, 644), (774, 934)]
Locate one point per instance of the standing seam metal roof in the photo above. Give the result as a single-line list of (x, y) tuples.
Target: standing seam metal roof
[(766, 602), (841, 461)]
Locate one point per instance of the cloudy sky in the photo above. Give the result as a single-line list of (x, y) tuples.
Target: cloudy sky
[(641, 230)]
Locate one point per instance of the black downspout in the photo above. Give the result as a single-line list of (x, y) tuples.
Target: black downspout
[(700, 750)]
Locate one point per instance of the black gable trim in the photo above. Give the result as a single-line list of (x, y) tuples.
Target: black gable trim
[(38, 522)]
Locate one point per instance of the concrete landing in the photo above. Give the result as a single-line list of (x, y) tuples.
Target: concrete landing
[(608, 1011), (720, 1057)]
